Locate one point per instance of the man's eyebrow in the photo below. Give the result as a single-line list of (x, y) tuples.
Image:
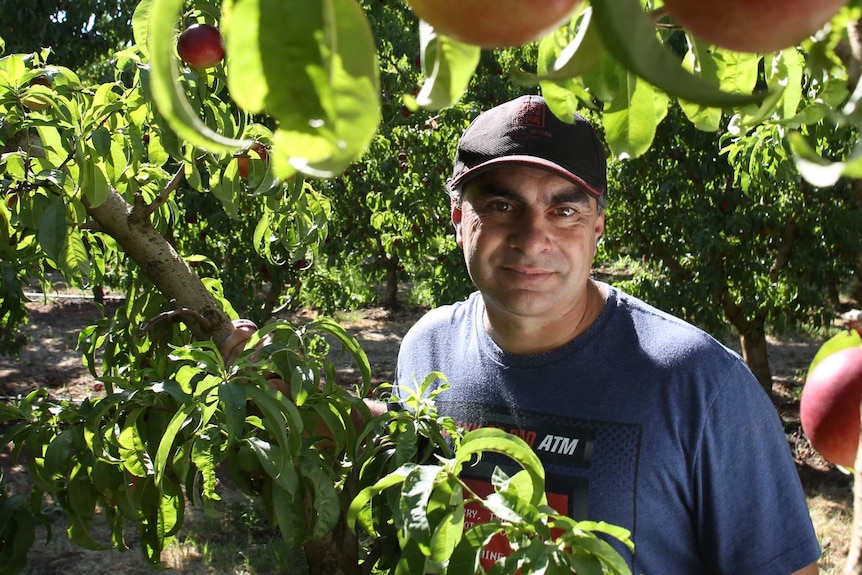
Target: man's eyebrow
[(571, 195)]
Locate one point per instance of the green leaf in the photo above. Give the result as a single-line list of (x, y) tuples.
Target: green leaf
[(232, 396), (412, 559), (170, 514), (415, 493), (629, 34), (449, 66), (141, 25), (76, 261), (274, 461), (818, 171), (52, 229), (699, 61), (134, 454), (348, 342), (571, 50), (289, 513), (79, 534), (465, 557), (279, 416), (630, 125), (97, 190), (326, 504), (364, 497), (447, 535), (17, 535), (499, 441), (59, 452), (164, 453), (313, 67), (82, 494)]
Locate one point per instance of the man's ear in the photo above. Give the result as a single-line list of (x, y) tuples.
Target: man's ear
[(600, 225), (455, 203)]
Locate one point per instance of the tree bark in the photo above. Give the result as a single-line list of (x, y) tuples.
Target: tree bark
[(755, 353), (335, 554), (390, 299), (752, 339), (170, 274)]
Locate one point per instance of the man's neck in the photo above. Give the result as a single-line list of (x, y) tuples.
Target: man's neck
[(526, 336)]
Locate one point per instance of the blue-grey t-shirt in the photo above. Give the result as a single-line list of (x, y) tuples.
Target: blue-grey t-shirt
[(643, 421)]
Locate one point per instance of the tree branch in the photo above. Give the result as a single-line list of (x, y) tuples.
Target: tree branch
[(166, 193), (163, 266)]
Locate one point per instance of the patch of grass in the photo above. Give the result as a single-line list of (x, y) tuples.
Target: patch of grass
[(832, 517), (349, 316)]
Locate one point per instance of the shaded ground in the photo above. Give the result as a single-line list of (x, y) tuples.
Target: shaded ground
[(51, 362)]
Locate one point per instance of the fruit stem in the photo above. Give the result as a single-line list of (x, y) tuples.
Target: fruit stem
[(854, 556)]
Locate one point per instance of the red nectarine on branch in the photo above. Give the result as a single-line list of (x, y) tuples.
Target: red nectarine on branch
[(201, 46), (753, 25), (829, 406), (494, 23)]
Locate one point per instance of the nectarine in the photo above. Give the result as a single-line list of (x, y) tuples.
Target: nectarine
[(494, 23), (753, 25), (829, 407), (201, 46)]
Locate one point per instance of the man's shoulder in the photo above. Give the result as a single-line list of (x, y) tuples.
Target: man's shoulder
[(659, 330), (446, 316)]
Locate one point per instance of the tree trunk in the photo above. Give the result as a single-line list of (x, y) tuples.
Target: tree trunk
[(335, 554), (752, 340), (754, 351), (390, 299)]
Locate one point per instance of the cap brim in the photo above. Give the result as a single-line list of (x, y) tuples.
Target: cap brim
[(531, 161)]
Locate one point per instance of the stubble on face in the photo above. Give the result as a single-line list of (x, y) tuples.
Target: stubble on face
[(529, 238)]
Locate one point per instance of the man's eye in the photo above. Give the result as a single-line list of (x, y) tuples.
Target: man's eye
[(500, 206), (566, 211)]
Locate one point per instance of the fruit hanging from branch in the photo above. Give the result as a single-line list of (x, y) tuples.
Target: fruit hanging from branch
[(753, 25), (201, 46), (494, 23), (829, 406)]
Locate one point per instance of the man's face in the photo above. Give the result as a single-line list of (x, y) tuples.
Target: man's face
[(529, 238)]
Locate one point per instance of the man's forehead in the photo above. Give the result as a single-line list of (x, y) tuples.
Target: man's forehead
[(525, 183)]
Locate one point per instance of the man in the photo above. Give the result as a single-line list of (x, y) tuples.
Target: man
[(641, 420)]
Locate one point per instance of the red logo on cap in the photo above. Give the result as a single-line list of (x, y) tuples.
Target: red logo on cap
[(530, 114)]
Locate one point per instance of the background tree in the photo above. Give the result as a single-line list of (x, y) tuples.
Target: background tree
[(720, 245), (81, 34)]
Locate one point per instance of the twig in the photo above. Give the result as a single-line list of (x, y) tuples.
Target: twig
[(174, 313), (148, 210)]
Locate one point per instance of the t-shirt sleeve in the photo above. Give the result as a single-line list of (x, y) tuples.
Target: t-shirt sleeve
[(752, 513)]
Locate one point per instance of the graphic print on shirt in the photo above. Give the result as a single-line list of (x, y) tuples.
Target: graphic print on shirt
[(590, 466)]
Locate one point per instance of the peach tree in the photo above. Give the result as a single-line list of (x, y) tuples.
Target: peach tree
[(91, 176)]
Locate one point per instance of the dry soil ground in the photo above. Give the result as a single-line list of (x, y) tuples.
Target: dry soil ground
[(50, 361)]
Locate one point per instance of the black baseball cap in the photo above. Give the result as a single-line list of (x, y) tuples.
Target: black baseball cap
[(525, 131)]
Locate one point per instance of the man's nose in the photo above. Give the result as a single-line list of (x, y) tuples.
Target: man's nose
[(530, 233)]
